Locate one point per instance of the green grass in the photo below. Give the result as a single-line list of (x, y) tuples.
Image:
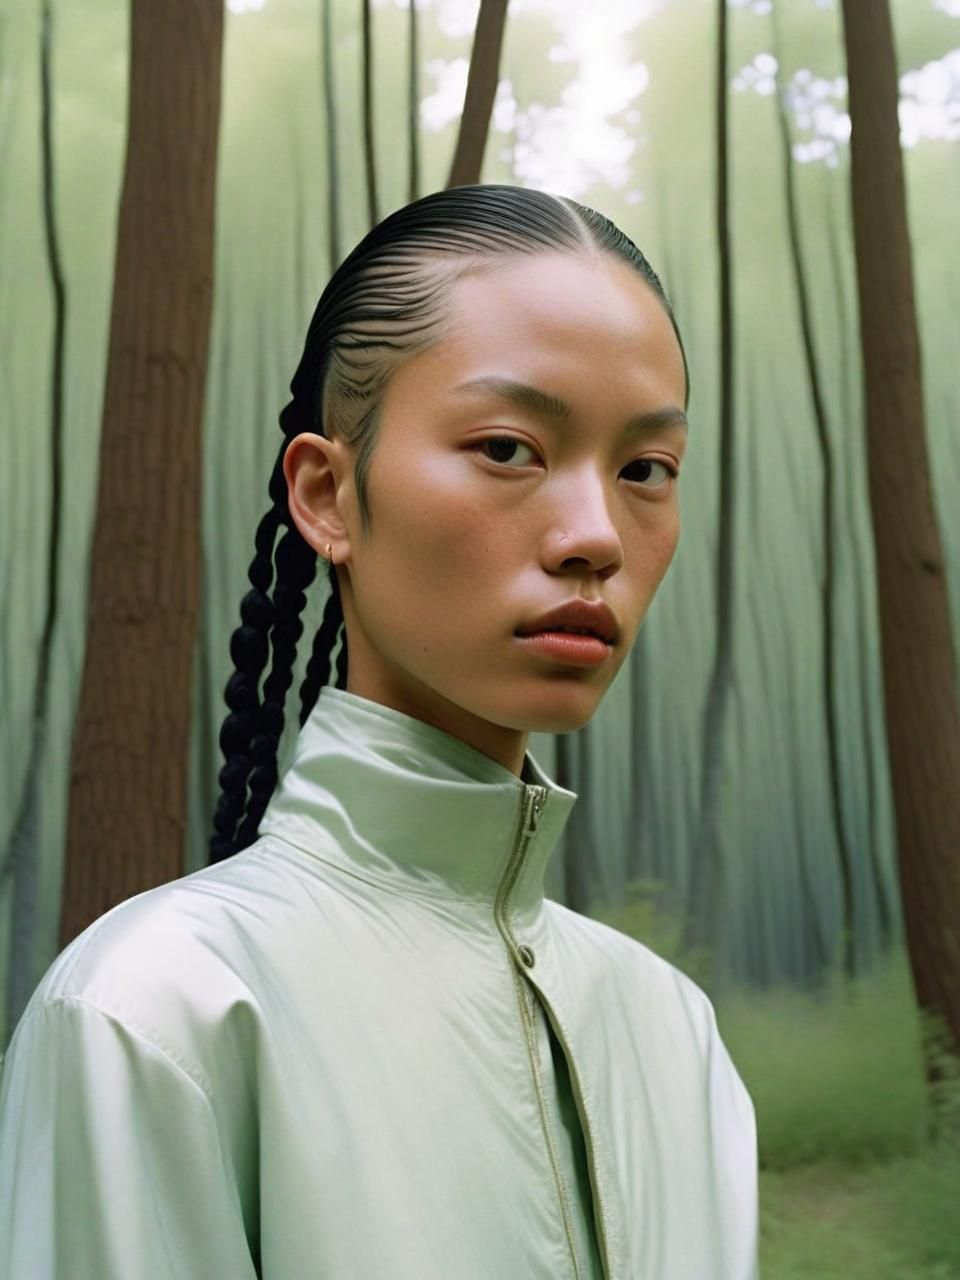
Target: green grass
[(892, 1220), (851, 1186)]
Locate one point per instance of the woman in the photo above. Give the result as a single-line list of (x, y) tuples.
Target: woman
[(362, 1044)]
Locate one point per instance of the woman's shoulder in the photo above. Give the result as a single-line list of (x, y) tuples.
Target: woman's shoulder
[(627, 966), (173, 959)]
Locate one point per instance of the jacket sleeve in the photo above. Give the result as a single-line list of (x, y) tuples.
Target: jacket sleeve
[(111, 1165)]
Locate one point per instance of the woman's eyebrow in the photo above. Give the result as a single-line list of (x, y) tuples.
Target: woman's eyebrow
[(550, 406)]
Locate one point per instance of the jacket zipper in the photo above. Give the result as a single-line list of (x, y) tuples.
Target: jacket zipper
[(534, 798)]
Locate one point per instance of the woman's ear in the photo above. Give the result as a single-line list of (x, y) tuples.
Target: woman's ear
[(314, 468)]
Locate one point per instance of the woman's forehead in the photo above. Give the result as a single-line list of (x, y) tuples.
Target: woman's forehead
[(590, 313), (558, 284)]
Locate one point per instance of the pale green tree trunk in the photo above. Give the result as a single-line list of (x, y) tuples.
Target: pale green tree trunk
[(706, 905)]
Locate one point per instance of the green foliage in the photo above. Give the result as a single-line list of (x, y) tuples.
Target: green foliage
[(860, 1166), (892, 1221)]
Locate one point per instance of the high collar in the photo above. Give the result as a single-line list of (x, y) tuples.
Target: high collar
[(408, 806)]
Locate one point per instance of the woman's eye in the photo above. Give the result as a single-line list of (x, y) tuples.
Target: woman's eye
[(672, 472), (502, 446), (503, 449)]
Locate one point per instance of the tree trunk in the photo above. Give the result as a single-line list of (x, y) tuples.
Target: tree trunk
[(330, 125), (848, 940), (919, 662), (413, 104), (706, 901), (20, 860), (126, 824), (369, 147), (570, 746), (884, 894), (482, 80)]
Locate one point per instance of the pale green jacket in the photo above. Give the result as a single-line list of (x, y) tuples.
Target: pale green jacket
[(369, 1048)]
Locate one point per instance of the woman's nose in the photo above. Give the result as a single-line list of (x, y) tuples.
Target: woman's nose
[(585, 531)]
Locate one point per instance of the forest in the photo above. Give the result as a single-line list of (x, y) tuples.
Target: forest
[(769, 797)]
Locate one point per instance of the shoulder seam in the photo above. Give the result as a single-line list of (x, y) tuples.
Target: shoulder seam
[(180, 1064)]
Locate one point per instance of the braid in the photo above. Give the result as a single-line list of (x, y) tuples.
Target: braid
[(296, 569), (250, 735), (248, 649)]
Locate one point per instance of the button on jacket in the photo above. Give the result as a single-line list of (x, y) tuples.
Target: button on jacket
[(369, 1048)]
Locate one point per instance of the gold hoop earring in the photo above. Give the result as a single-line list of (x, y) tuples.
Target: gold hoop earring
[(330, 552)]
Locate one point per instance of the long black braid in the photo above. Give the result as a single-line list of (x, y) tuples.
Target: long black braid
[(250, 734), (384, 302)]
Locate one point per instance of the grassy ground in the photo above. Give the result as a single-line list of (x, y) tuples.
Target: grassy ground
[(894, 1220), (851, 1185)]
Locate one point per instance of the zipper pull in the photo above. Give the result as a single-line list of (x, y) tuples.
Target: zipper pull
[(538, 798)]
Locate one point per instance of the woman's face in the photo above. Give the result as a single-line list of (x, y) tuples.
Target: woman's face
[(487, 511)]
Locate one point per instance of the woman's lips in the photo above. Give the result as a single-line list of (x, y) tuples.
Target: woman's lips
[(567, 646)]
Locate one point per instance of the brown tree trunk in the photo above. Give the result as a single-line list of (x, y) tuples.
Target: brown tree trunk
[(919, 662), (126, 823), (482, 80)]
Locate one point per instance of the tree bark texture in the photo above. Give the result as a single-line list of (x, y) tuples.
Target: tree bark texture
[(126, 823), (919, 661), (482, 80)]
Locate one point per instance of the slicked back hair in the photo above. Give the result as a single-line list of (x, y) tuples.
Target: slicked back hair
[(385, 302)]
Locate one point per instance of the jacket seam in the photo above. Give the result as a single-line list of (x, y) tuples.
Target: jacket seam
[(179, 1063)]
